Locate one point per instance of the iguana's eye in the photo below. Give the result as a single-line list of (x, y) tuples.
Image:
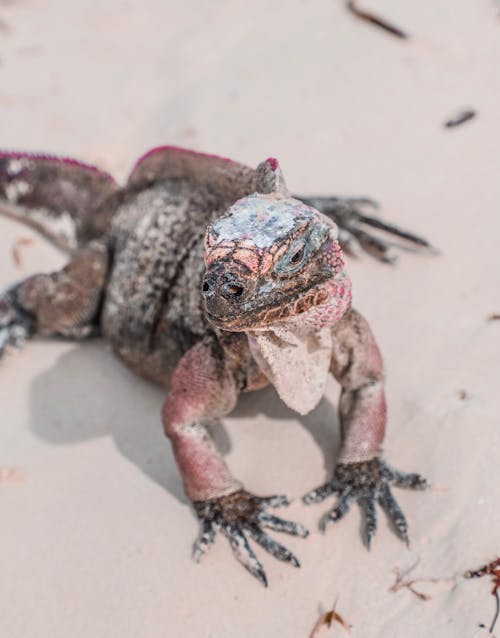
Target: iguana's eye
[(297, 256), (293, 260)]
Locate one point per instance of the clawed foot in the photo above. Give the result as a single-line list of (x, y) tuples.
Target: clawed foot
[(356, 227), (15, 325), (241, 515), (366, 483)]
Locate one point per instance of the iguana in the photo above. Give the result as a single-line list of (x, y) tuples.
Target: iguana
[(207, 277)]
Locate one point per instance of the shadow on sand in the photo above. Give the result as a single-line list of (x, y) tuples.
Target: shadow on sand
[(88, 393)]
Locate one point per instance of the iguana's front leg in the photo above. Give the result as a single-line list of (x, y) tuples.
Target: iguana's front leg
[(205, 387), (361, 474), (356, 226)]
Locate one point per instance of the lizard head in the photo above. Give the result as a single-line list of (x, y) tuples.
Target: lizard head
[(269, 259)]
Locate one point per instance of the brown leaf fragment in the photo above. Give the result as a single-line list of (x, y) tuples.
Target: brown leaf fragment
[(494, 317), (460, 117), (10, 474), (490, 569), (402, 582), (16, 250), (376, 20), (327, 619)]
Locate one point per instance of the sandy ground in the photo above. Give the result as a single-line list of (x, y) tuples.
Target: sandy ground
[(95, 532)]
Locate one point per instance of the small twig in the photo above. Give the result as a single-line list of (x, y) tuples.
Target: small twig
[(460, 118), (495, 617), (376, 20), (16, 250), (327, 619)]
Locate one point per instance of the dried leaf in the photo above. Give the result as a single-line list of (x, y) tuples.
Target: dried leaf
[(402, 582), (327, 619)]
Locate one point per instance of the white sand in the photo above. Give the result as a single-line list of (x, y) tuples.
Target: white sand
[(95, 541)]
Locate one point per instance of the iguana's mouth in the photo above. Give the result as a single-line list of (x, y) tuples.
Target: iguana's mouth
[(270, 313)]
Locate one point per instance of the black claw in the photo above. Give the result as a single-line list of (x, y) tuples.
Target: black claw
[(341, 509), (393, 230), (275, 501), (280, 525), (368, 507), (394, 512), (408, 481), (204, 541), (244, 553), (373, 245), (362, 201), (273, 547), (261, 575), (320, 493)]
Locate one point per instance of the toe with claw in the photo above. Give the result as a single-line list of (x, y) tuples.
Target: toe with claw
[(15, 324), (356, 227), (367, 483), (241, 516)]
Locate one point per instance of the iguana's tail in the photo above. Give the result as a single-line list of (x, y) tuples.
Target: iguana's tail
[(67, 201)]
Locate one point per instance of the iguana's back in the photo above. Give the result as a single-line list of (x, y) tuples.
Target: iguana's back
[(152, 229), (152, 309)]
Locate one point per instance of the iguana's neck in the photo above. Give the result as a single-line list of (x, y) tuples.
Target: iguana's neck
[(295, 354), (338, 296)]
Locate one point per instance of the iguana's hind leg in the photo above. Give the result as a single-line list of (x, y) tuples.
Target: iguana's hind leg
[(69, 202), (65, 303), (356, 227)]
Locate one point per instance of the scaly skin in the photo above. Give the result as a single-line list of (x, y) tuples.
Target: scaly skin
[(208, 277)]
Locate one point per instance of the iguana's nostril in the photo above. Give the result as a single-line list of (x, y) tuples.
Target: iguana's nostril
[(227, 286), (233, 290)]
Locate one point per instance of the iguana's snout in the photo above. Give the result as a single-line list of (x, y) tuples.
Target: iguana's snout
[(267, 260), (225, 291)]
